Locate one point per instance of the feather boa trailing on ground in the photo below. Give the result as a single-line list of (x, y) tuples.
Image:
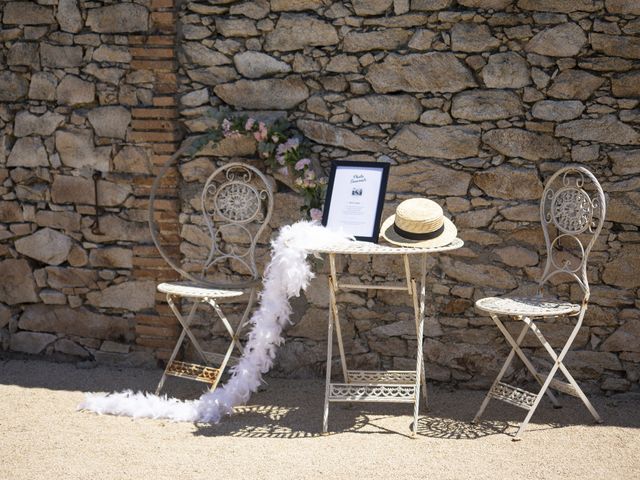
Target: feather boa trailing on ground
[(286, 275)]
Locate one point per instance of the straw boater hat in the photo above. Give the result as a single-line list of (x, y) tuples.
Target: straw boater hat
[(418, 222)]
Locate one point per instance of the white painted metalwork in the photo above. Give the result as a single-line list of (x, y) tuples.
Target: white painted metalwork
[(237, 203), (572, 214), (376, 386)]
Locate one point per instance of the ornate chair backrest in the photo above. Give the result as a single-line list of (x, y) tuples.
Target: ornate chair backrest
[(237, 203), (572, 212)]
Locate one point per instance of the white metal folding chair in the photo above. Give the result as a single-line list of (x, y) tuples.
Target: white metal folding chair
[(572, 212), (237, 203)]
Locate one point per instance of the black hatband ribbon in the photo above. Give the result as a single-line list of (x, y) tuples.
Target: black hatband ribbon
[(418, 236)]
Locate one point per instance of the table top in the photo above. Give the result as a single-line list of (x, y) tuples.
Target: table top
[(354, 247)]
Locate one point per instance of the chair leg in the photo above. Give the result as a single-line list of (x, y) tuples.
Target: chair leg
[(559, 361), (176, 349), (327, 388), (514, 347)]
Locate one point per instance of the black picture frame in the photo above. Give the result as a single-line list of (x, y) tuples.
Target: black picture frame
[(375, 199)]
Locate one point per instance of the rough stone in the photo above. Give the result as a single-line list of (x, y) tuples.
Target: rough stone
[(385, 108), (256, 65), (68, 277), (112, 53), (422, 39), (429, 5), (481, 105), (18, 285), (73, 321), (68, 221), (516, 142), (449, 142), (269, 94), (577, 84), (429, 178), (112, 194), (213, 75), (118, 18), (435, 72), (472, 37), (119, 229), (624, 339), (132, 159), (52, 297), (624, 208), (564, 40), (557, 111), (30, 342), (506, 70), (10, 212), (625, 162), (478, 274), (343, 64), (5, 316), (60, 57), (28, 124), (622, 271), (28, 152), (253, 9), (42, 87), (295, 32), (517, 256), (12, 86), (389, 39), (624, 7), (493, 4), (606, 129), (27, 13), (627, 85), (616, 46), (328, 134), (509, 183), (111, 121), (236, 27), (199, 54), (294, 5), (46, 245), (76, 150), (69, 16), (132, 295), (371, 7), (24, 53), (68, 189), (112, 257), (561, 6), (75, 91), (587, 364)]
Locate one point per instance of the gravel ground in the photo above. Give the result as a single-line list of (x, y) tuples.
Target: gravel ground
[(277, 435)]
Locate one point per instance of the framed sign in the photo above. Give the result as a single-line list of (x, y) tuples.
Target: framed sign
[(355, 197)]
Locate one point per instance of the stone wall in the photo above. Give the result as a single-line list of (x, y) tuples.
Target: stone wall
[(86, 103), (474, 103)]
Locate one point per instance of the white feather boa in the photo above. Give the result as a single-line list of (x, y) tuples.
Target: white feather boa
[(286, 275)]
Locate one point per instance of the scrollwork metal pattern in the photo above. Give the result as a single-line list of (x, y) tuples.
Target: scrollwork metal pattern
[(577, 216), (513, 395), (368, 376), (371, 393)]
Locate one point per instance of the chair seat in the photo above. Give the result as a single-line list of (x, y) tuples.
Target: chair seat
[(191, 290), (527, 306)]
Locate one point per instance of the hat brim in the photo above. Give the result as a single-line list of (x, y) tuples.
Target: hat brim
[(448, 235)]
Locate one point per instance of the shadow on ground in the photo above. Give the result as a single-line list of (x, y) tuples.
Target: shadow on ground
[(290, 409)]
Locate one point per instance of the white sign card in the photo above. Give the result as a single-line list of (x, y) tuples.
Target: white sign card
[(355, 197)]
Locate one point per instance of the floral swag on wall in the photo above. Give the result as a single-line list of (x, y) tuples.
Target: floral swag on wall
[(282, 149)]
